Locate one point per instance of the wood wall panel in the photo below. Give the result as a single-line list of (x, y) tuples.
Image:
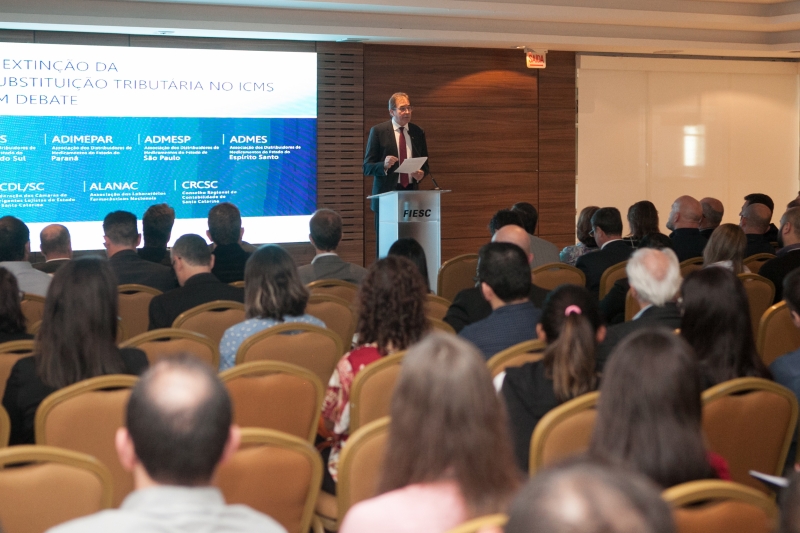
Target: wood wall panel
[(557, 81), (556, 203), (557, 139)]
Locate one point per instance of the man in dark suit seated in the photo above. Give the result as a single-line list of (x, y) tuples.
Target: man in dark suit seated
[(754, 221), (56, 247), (655, 278), (607, 230), (713, 210), (121, 239), (788, 257), (505, 281), (684, 221), (771, 235), (193, 263), (325, 233), (157, 225), (225, 231)]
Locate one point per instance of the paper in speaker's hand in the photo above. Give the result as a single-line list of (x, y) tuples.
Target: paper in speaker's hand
[(410, 165)]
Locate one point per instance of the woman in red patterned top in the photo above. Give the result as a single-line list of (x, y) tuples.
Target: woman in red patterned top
[(391, 317)]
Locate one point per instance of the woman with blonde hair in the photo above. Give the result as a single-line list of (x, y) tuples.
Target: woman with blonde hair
[(726, 248)]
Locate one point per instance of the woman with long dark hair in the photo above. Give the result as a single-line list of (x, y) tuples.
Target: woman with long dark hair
[(12, 321), (411, 249), (643, 220)]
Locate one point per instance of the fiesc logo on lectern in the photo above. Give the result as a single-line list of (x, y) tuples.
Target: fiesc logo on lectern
[(416, 213)]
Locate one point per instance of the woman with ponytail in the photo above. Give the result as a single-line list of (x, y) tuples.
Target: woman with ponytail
[(571, 326)]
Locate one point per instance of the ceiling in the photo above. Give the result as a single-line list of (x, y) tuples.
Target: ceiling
[(745, 28)]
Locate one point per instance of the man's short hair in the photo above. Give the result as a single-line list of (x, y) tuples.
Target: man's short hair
[(655, 274), (326, 229), (157, 225), (14, 234), (225, 223), (504, 267), (757, 218), (396, 96), (590, 498), (179, 427), (528, 214), (192, 249), (608, 219), (714, 217), (758, 198), (55, 241), (120, 228), (792, 216), (505, 217)]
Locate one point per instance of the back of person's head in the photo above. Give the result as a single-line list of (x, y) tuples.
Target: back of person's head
[(14, 235), (649, 412), (179, 418), (713, 216), (792, 217), (77, 338), (325, 229), (654, 274), (756, 218), (758, 198), (391, 305), (224, 224), (412, 250), (11, 318), (55, 239), (716, 322), (584, 226), (157, 225), (570, 321), (448, 423), (791, 290), (120, 228), (504, 217), (272, 286), (727, 243), (585, 497), (609, 220), (504, 267), (192, 249), (643, 219), (528, 214), (657, 240)]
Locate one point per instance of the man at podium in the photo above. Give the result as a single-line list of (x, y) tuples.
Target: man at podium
[(389, 144)]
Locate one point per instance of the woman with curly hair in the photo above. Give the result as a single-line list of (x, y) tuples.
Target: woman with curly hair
[(391, 317)]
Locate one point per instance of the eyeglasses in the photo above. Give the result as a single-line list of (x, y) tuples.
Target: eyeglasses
[(404, 108)]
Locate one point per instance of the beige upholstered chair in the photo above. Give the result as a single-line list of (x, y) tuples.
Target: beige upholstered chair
[(760, 295), (161, 343), (337, 314), (372, 389), (441, 325), (756, 261), (631, 306), (334, 287), (10, 353), (134, 303), (436, 306), (33, 308), (610, 276), (551, 275), (456, 275), (517, 355), (690, 265), (211, 319), (237, 284), (493, 522), (777, 334)]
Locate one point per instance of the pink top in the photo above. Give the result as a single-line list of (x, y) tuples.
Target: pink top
[(421, 508)]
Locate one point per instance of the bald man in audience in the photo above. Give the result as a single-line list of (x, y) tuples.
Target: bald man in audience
[(684, 221), (788, 256), (56, 247), (759, 198), (754, 221), (713, 210)]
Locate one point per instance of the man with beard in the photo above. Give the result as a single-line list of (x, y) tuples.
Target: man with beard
[(787, 259)]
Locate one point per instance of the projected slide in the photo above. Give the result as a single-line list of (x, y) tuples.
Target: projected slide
[(88, 130)]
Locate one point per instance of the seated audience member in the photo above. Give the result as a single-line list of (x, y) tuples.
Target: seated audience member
[(157, 225), (543, 251), (325, 234), (412, 250), (655, 278), (583, 231), (505, 281), (505, 217), (771, 234), (643, 220), (571, 326), (273, 295), (787, 258), (177, 432), (649, 413), (56, 247), (607, 230), (448, 456), (586, 497), (15, 248), (684, 222), (12, 321), (754, 221), (192, 261), (121, 239), (225, 231), (716, 322), (391, 317), (469, 305), (713, 210), (727, 249), (77, 341)]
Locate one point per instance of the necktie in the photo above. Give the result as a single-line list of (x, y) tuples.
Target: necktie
[(403, 150)]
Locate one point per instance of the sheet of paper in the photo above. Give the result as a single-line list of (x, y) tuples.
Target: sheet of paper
[(412, 164)]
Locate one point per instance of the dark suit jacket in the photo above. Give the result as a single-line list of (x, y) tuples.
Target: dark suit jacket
[(155, 255), (50, 267), (612, 306), (469, 306), (505, 327), (331, 267), (776, 269), (595, 263), (229, 261), (707, 232), (688, 243), (757, 244), (199, 289), (130, 268), (381, 142)]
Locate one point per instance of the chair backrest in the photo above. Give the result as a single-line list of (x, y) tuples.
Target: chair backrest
[(5, 428), (492, 522), (436, 306), (631, 306), (32, 306), (517, 355), (337, 313), (714, 506), (238, 284), (750, 422), (777, 334), (48, 486), (456, 275), (84, 417), (372, 389), (610, 276), (756, 261), (161, 343), (10, 353), (211, 319), (563, 432), (335, 287), (311, 347), (274, 473), (360, 465), (134, 303), (551, 275), (275, 395), (441, 325), (760, 295), (690, 265)]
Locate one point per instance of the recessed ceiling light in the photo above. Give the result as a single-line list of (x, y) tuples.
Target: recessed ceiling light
[(520, 47)]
